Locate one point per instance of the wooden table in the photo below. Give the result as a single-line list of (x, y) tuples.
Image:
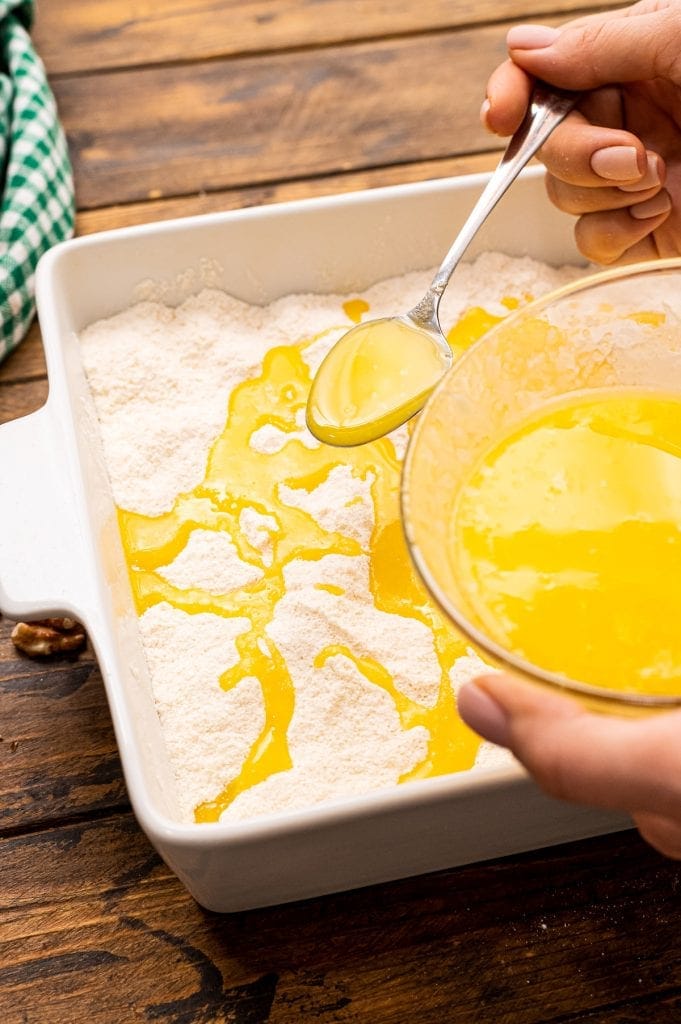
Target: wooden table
[(177, 107)]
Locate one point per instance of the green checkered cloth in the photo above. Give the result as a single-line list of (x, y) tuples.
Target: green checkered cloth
[(37, 207)]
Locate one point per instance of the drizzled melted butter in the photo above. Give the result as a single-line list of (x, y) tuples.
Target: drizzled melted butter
[(475, 322), (355, 309), (238, 477)]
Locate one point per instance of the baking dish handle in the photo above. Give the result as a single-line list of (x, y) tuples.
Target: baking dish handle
[(41, 537)]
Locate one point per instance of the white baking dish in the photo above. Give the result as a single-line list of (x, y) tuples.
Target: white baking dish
[(60, 552)]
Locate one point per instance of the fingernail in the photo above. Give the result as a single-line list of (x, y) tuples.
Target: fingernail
[(531, 37), (484, 111), (661, 203), (649, 179), (483, 714), (617, 163)]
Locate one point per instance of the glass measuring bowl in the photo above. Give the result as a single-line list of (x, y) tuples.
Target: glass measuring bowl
[(616, 329)]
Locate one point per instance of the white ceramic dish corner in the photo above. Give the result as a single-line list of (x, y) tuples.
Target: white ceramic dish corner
[(60, 550)]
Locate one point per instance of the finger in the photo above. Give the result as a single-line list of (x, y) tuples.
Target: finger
[(604, 761), (578, 199), (506, 99), (606, 236), (664, 834), (603, 107), (581, 153), (508, 94), (640, 252), (600, 49)]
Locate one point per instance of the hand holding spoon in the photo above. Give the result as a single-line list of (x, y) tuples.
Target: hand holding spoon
[(381, 372)]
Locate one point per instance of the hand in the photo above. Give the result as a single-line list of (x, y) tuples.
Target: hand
[(625, 764), (615, 162)]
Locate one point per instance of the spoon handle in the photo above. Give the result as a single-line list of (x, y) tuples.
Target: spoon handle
[(548, 106)]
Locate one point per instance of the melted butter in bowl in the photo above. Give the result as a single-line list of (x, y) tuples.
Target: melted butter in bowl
[(542, 491), (567, 540)]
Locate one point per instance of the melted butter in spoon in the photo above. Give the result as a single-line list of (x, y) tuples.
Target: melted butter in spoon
[(379, 374), (375, 378)]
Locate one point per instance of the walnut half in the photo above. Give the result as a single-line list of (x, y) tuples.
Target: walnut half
[(48, 636)]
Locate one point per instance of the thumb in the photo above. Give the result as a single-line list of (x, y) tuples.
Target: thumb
[(627, 764), (625, 46)]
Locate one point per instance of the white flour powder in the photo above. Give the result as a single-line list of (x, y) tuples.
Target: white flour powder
[(161, 379)]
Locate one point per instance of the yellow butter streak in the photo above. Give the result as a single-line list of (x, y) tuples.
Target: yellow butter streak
[(238, 478)]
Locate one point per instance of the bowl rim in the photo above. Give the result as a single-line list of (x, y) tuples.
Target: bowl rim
[(508, 659)]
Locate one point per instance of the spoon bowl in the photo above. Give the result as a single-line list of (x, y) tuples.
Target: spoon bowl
[(380, 373), (377, 377)]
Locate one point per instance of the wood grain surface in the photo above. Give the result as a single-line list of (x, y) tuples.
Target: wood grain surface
[(227, 123), (77, 36), (178, 107), (115, 938)]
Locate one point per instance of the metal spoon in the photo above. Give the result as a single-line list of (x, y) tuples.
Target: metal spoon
[(548, 106)]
